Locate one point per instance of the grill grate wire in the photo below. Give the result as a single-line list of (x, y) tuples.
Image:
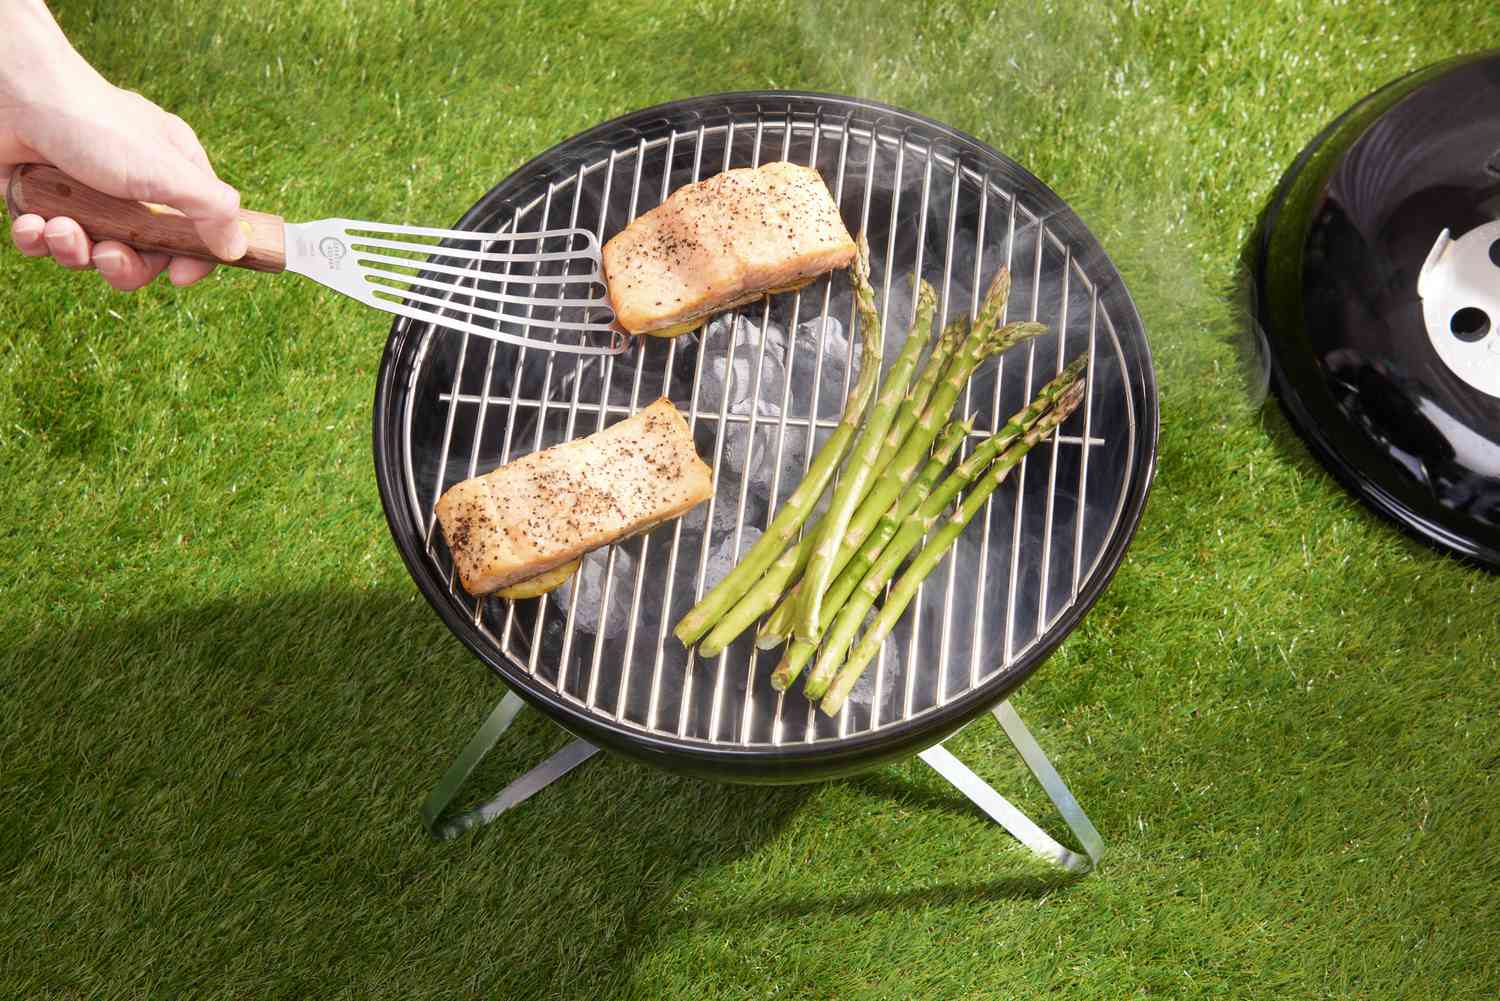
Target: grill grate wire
[(729, 701)]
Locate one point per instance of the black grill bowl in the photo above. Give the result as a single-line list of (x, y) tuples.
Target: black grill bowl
[(599, 657)]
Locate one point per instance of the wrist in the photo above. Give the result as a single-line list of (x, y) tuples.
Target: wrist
[(37, 64)]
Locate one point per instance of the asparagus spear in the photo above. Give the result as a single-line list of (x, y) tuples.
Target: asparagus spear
[(743, 613), (1019, 423), (983, 340), (800, 651), (778, 626), (815, 584), (878, 560), (768, 590), (927, 560), (888, 479), (789, 519), (866, 452), (862, 557), (879, 505), (916, 401)]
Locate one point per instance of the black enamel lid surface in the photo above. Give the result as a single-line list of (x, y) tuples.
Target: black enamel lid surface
[(1377, 289)]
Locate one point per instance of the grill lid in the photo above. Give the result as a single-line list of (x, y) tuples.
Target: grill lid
[(761, 388), (1377, 288)]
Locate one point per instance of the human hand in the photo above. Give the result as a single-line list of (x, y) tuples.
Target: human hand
[(54, 108)]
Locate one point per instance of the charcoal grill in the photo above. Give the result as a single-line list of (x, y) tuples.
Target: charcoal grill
[(761, 388)]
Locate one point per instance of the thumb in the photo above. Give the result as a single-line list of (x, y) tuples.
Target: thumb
[(212, 205)]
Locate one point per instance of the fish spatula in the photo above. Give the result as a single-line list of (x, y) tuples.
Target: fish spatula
[(542, 290)]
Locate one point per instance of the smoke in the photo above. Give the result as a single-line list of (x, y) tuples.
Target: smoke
[(1067, 92), (911, 54)]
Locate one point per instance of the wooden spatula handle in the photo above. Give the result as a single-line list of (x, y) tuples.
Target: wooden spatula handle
[(48, 192)]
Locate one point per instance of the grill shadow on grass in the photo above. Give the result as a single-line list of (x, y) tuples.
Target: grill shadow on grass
[(794, 912), (240, 779), (946, 799), (652, 837)]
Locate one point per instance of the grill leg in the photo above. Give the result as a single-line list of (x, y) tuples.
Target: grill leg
[(517, 792), (1013, 820)]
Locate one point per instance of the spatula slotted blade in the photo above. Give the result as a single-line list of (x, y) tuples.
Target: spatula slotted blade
[(538, 290), (542, 290)]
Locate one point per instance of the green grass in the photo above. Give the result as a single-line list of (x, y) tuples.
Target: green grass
[(223, 699)]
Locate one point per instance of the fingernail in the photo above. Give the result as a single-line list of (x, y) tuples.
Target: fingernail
[(239, 245), (109, 264)]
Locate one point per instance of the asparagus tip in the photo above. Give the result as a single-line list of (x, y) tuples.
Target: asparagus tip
[(862, 255), (1071, 397), (926, 297), (953, 335), (1007, 336), (999, 289), (1022, 330)]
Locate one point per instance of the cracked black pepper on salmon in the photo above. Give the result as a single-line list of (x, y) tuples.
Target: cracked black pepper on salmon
[(721, 243), (548, 508)]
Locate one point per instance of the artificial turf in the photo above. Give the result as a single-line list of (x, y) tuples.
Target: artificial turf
[(222, 698)]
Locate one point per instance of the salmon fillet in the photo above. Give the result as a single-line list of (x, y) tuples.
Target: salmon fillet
[(550, 507), (723, 242)]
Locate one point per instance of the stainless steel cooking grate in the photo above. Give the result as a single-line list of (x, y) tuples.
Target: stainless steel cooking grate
[(762, 387)]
